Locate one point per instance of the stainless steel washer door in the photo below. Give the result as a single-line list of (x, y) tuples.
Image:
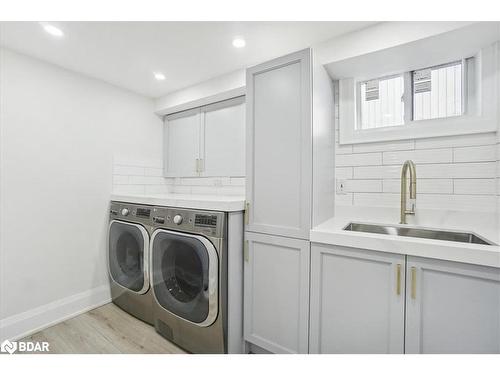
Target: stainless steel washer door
[(128, 247), (184, 275)]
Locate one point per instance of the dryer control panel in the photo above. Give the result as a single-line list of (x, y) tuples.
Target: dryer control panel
[(209, 223)]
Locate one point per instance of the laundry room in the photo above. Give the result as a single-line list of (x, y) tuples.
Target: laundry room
[(230, 186)]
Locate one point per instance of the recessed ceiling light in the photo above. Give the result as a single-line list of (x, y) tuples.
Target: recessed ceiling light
[(52, 30), (239, 42), (159, 76)]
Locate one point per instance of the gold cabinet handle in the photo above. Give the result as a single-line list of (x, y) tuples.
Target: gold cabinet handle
[(246, 255), (398, 279), (413, 283), (247, 212)]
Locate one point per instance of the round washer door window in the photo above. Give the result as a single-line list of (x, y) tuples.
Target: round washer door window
[(127, 255), (185, 275)]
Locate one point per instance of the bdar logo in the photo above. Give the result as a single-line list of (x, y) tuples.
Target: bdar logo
[(8, 347)]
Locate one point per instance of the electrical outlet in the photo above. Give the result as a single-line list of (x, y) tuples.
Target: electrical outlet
[(340, 186)]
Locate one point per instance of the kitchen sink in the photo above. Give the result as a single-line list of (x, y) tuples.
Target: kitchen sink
[(432, 234)]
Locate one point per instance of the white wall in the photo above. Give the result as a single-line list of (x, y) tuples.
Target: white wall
[(59, 132)]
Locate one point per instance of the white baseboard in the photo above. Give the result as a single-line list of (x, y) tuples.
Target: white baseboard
[(31, 321)]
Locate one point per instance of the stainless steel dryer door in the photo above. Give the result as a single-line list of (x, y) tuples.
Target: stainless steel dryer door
[(128, 248), (184, 275)]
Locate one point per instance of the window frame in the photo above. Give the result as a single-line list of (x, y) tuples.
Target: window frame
[(479, 113)]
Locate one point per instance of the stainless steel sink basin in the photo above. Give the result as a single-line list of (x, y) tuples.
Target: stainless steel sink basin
[(431, 234)]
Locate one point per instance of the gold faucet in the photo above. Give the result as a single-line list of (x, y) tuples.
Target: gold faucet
[(408, 165)]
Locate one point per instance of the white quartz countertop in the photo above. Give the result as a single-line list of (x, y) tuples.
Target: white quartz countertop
[(331, 232), (226, 203)]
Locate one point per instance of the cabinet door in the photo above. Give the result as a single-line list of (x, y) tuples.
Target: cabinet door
[(357, 301), (279, 165), (181, 143), (276, 293), (452, 307), (223, 138)]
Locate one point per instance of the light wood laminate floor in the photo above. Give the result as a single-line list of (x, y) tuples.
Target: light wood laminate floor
[(107, 329)]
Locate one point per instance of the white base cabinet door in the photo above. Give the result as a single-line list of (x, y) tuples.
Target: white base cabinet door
[(357, 301), (452, 307), (276, 293)]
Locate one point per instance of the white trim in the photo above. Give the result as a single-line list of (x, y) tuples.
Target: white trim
[(224, 95), (26, 323)]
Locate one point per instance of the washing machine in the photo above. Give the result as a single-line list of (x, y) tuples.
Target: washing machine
[(128, 258), (188, 263)]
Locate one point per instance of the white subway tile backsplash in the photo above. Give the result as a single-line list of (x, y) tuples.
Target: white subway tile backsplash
[(343, 149), (363, 186), (120, 180), (343, 172), (197, 181), (181, 189), (457, 141), (459, 170), (479, 203), (146, 177), (128, 170), (129, 189), (146, 180), (359, 159), (378, 172), (384, 146), (474, 154), (156, 189), (430, 186), (237, 181), (231, 190), (453, 173), (377, 199), (344, 199), (158, 172), (211, 190), (486, 186), (418, 156)]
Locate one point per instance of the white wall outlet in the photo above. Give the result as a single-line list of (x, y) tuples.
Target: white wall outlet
[(340, 186)]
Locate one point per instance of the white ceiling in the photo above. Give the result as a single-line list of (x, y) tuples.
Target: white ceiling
[(126, 53)]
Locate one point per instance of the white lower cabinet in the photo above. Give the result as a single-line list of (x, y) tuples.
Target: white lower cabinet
[(276, 293), (452, 307), (357, 301), (365, 301)]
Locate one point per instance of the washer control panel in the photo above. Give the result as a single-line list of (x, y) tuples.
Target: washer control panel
[(209, 223)]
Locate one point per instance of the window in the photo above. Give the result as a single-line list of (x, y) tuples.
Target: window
[(381, 102), (423, 94), (437, 92), (411, 94)]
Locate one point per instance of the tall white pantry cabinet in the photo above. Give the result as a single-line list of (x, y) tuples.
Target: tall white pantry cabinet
[(290, 156)]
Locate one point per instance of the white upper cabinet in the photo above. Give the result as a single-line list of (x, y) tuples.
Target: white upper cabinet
[(207, 142), (181, 143), (223, 150), (452, 307), (279, 145)]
